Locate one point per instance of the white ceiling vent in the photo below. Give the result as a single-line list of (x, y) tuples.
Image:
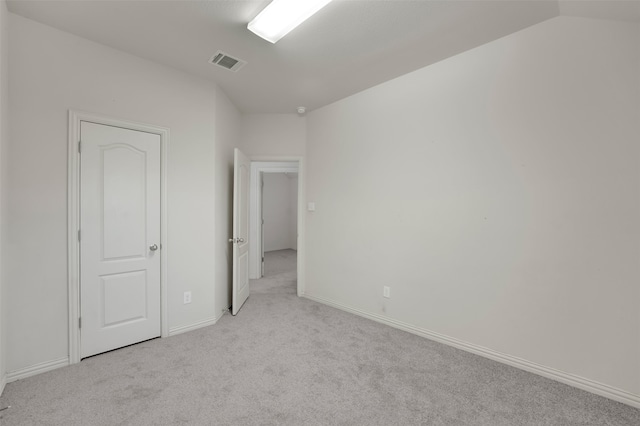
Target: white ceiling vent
[(223, 60)]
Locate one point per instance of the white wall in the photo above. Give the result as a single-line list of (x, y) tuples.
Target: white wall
[(498, 194), (278, 195), (4, 140), (54, 71), (273, 135)]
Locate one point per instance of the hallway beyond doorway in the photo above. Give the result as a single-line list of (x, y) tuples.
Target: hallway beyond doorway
[(279, 273)]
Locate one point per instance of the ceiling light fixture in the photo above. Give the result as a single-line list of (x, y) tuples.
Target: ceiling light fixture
[(281, 16)]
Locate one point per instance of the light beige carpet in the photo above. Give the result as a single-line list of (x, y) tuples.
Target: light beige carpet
[(290, 361)]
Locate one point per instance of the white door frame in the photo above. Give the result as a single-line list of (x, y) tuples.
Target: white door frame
[(73, 219), (255, 208), (275, 165)]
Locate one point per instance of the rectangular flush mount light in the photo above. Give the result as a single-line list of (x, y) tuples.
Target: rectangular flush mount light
[(281, 16)]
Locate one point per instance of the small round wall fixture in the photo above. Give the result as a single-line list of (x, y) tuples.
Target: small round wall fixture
[(301, 110)]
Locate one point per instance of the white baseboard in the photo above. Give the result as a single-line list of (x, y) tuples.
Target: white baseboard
[(551, 373), (43, 367), (3, 383), (185, 328), (32, 370)]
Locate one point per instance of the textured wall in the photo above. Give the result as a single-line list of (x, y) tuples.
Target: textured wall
[(4, 142), (52, 72), (498, 194)]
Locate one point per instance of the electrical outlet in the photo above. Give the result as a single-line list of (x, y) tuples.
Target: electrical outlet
[(386, 292), (187, 297)]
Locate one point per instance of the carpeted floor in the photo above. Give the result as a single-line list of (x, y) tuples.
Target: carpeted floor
[(285, 360)]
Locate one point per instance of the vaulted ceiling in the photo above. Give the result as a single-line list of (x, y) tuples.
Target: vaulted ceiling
[(349, 46)]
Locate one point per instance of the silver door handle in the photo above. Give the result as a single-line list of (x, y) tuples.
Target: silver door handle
[(153, 247), (236, 240), (241, 240)]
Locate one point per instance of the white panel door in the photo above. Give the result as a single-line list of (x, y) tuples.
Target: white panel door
[(120, 237), (240, 239)]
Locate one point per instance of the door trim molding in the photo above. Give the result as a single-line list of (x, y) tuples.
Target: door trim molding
[(276, 167), (73, 218), (255, 207)]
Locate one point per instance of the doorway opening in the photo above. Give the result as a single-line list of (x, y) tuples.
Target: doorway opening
[(279, 227), (275, 218)]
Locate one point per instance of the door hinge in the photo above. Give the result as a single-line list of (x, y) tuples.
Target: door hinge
[(263, 259), (79, 147), (80, 322), (78, 235)]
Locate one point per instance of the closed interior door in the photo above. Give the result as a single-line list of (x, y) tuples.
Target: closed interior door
[(120, 237)]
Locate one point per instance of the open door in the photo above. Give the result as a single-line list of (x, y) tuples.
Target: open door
[(261, 224), (240, 239)]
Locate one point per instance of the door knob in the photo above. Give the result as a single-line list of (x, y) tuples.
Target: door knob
[(153, 247), (241, 240)]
